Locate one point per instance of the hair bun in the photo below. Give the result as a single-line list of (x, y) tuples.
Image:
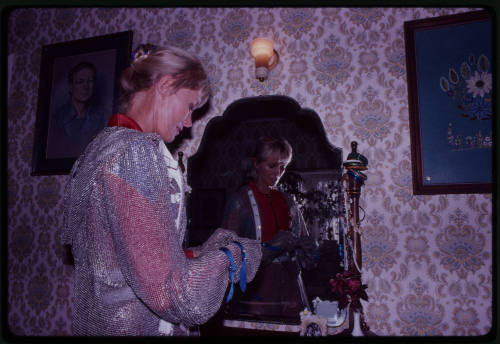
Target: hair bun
[(142, 51)]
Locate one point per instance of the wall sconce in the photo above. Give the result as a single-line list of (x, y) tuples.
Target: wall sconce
[(266, 57)]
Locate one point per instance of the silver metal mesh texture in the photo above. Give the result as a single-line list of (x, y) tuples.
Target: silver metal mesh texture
[(125, 219), (239, 217)]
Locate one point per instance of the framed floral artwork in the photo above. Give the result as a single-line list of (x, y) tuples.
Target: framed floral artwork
[(450, 94), (77, 94)]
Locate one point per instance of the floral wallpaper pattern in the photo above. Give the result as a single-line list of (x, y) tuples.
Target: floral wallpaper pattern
[(427, 259)]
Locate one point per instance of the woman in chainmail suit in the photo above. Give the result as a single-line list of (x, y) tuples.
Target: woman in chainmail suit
[(125, 217)]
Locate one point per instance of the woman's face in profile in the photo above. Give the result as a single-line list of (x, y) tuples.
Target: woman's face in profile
[(270, 170), (175, 113), (82, 86)]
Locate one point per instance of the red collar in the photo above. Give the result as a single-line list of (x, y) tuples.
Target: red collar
[(254, 188), (120, 120)]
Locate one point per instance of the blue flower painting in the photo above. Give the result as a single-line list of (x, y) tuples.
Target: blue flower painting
[(470, 89), (455, 86)]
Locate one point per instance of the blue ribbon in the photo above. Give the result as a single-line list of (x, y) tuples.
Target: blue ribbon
[(341, 255), (357, 177), (271, 247), (243, 269), (232, 270), (316, 255)]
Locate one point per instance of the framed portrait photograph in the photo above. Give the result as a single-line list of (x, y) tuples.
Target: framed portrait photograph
[(450, 88), (78, 93)]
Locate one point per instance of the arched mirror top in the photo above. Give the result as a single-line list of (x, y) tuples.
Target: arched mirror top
[(230, 138)]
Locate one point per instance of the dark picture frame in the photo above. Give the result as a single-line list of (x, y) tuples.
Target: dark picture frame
[(449, 62), (84, 71)]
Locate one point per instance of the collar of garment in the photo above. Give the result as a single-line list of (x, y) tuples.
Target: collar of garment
[(121, 120), (254, 188)]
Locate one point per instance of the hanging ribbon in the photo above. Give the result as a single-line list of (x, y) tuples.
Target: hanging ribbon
[(341, 254), (232, 270), (359, 179), (271, 247), (243, 269)]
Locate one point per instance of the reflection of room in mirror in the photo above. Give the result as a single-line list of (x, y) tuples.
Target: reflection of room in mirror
[(317, 195), (228, 143), (313, 176)]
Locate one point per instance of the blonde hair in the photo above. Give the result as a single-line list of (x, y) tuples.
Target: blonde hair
[(150, 63), (264, 147)]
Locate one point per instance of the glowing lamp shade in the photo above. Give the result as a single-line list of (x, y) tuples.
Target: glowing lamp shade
[(266, 57)]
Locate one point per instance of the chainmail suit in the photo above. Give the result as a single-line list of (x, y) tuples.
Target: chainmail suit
[(124, 216)]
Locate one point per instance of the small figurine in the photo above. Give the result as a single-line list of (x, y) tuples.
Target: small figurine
[(355, 159), (356, 163)]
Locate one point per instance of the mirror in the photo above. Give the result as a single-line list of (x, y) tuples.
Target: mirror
[(215, 171)]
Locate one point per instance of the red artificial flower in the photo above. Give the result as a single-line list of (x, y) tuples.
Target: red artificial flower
[(353, 284), (347, 288)]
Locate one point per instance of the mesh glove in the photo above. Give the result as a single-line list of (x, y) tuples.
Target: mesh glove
[(224, 238), (282, 243), (220, 238), (253, 253), (285, 240)]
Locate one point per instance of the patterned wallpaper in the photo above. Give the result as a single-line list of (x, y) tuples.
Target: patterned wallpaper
[(427, 259)]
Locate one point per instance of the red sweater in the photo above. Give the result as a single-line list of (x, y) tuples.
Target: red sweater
[(274, 212)]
